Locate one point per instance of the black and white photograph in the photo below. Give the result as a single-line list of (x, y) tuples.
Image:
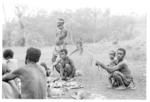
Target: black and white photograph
[(74, 49)]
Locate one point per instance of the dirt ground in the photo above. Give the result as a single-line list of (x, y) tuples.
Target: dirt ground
[(95, 80)]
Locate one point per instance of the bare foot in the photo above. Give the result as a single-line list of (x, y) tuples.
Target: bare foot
[(110, 86), (120, 88)]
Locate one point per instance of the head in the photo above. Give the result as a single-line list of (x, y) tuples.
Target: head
[(60, 22), (8, 54), (60, 27), (63, 53), (112, 54), (121, 52), (32, 55)]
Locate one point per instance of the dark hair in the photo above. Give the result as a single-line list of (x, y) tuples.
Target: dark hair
[(8, 53), (61, 19), (112, 52), (33, 54), (64, 50), (122, 49), (60, 22)]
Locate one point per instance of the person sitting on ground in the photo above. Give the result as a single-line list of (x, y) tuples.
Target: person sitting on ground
[(33, 79), (113, 62), (9, 89), (12, 63), (65, 66), (120, 72)]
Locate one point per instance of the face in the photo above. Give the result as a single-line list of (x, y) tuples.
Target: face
[(62, 55), (60, 27), (120, 55)]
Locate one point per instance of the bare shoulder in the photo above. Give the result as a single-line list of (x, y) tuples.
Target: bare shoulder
[(69, 59), (124, 62), (42, 69), (20, 70)]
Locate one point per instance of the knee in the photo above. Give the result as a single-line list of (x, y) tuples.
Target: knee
[(59, 66), (110, 77), (116, 73), (67, 66)]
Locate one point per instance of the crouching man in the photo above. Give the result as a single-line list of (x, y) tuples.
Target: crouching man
[(120, 72), (33, 79), (64, 66)]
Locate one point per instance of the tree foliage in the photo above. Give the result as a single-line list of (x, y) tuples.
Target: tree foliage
[(92, 25)]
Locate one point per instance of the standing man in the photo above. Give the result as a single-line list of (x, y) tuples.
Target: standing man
[(61, 36)]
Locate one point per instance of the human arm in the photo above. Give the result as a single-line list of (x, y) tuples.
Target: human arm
[(105, 67), (44, 65), (58, 60), (63, 35), (73, 68), (111, 68), (48, 71), (119, 66), (5, 69), (71, 63), (11, 75)]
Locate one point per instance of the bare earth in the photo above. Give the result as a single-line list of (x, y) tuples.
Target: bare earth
[(94, 80)]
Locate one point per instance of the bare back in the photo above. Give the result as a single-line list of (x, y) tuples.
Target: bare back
[(33, 82)]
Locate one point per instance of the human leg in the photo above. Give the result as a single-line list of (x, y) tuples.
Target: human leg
[(59, 68), (118, 79), (125, 81)]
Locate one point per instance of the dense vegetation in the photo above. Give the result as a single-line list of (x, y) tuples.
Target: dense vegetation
[(92, 25)]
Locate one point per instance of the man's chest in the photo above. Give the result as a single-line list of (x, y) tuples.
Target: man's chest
[(65, 61), (60, 32)]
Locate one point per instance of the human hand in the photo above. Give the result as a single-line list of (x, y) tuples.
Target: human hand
[(98, 63), (48, 72)]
